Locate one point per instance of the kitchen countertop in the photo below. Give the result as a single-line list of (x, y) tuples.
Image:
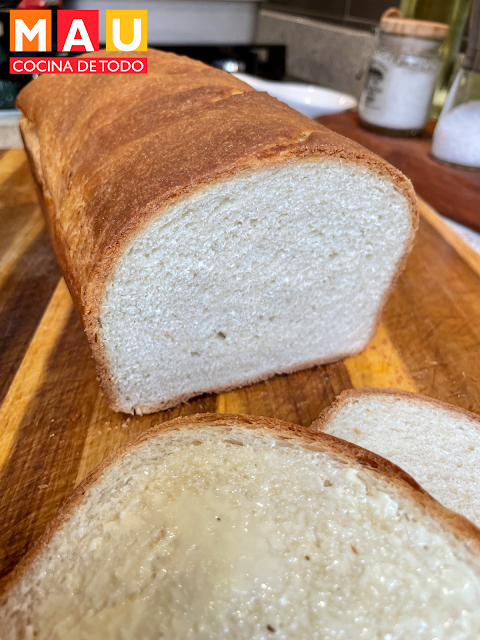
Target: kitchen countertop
[(471, 237), (9, 133)]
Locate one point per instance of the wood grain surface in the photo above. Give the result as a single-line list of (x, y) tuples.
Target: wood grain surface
[(55, 426), (453, 192)]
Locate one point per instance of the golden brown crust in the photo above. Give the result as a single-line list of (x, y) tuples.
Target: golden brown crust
[(143, 126), (345, 452)]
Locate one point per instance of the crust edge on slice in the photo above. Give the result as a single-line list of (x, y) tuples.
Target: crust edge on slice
[(462, 529), (350, 394)]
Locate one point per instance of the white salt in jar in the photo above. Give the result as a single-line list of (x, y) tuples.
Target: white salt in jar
[(402, 74), (456, 139)]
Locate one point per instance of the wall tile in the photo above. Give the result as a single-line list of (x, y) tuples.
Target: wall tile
[(319, 52), (332, 7), (369, 9)]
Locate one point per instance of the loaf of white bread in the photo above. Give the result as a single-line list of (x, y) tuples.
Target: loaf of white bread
[(210, 235), (437, 443), (247, 528)]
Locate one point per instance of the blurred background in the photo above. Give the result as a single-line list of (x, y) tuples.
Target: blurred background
[(325, 42)]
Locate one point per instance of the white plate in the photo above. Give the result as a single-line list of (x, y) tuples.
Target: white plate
[(309, 99)]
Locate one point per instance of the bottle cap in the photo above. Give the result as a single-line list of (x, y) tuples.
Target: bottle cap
[(392, 21)]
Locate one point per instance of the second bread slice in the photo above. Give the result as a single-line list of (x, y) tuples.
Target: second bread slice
[(437, 443)]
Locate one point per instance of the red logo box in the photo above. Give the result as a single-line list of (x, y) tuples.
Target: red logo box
[(77, 31)]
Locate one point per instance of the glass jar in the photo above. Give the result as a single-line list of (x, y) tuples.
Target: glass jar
[(402, 74), (456, 139)]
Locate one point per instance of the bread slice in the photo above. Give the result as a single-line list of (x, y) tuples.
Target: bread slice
[(246, 528), (437, 443), (210, 235)]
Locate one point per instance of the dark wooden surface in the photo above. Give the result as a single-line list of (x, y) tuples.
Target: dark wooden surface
[(55, 426), (452, 192)]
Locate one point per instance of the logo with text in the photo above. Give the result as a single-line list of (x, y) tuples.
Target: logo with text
[(77, 32)]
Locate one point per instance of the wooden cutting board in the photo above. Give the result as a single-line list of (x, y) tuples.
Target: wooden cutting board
[(55, 426)]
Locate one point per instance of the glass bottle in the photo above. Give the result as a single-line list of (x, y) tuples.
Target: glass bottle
[(456, 140), (454, 13)]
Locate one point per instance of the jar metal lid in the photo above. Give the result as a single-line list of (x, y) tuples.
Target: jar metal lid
[(392, 21)]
